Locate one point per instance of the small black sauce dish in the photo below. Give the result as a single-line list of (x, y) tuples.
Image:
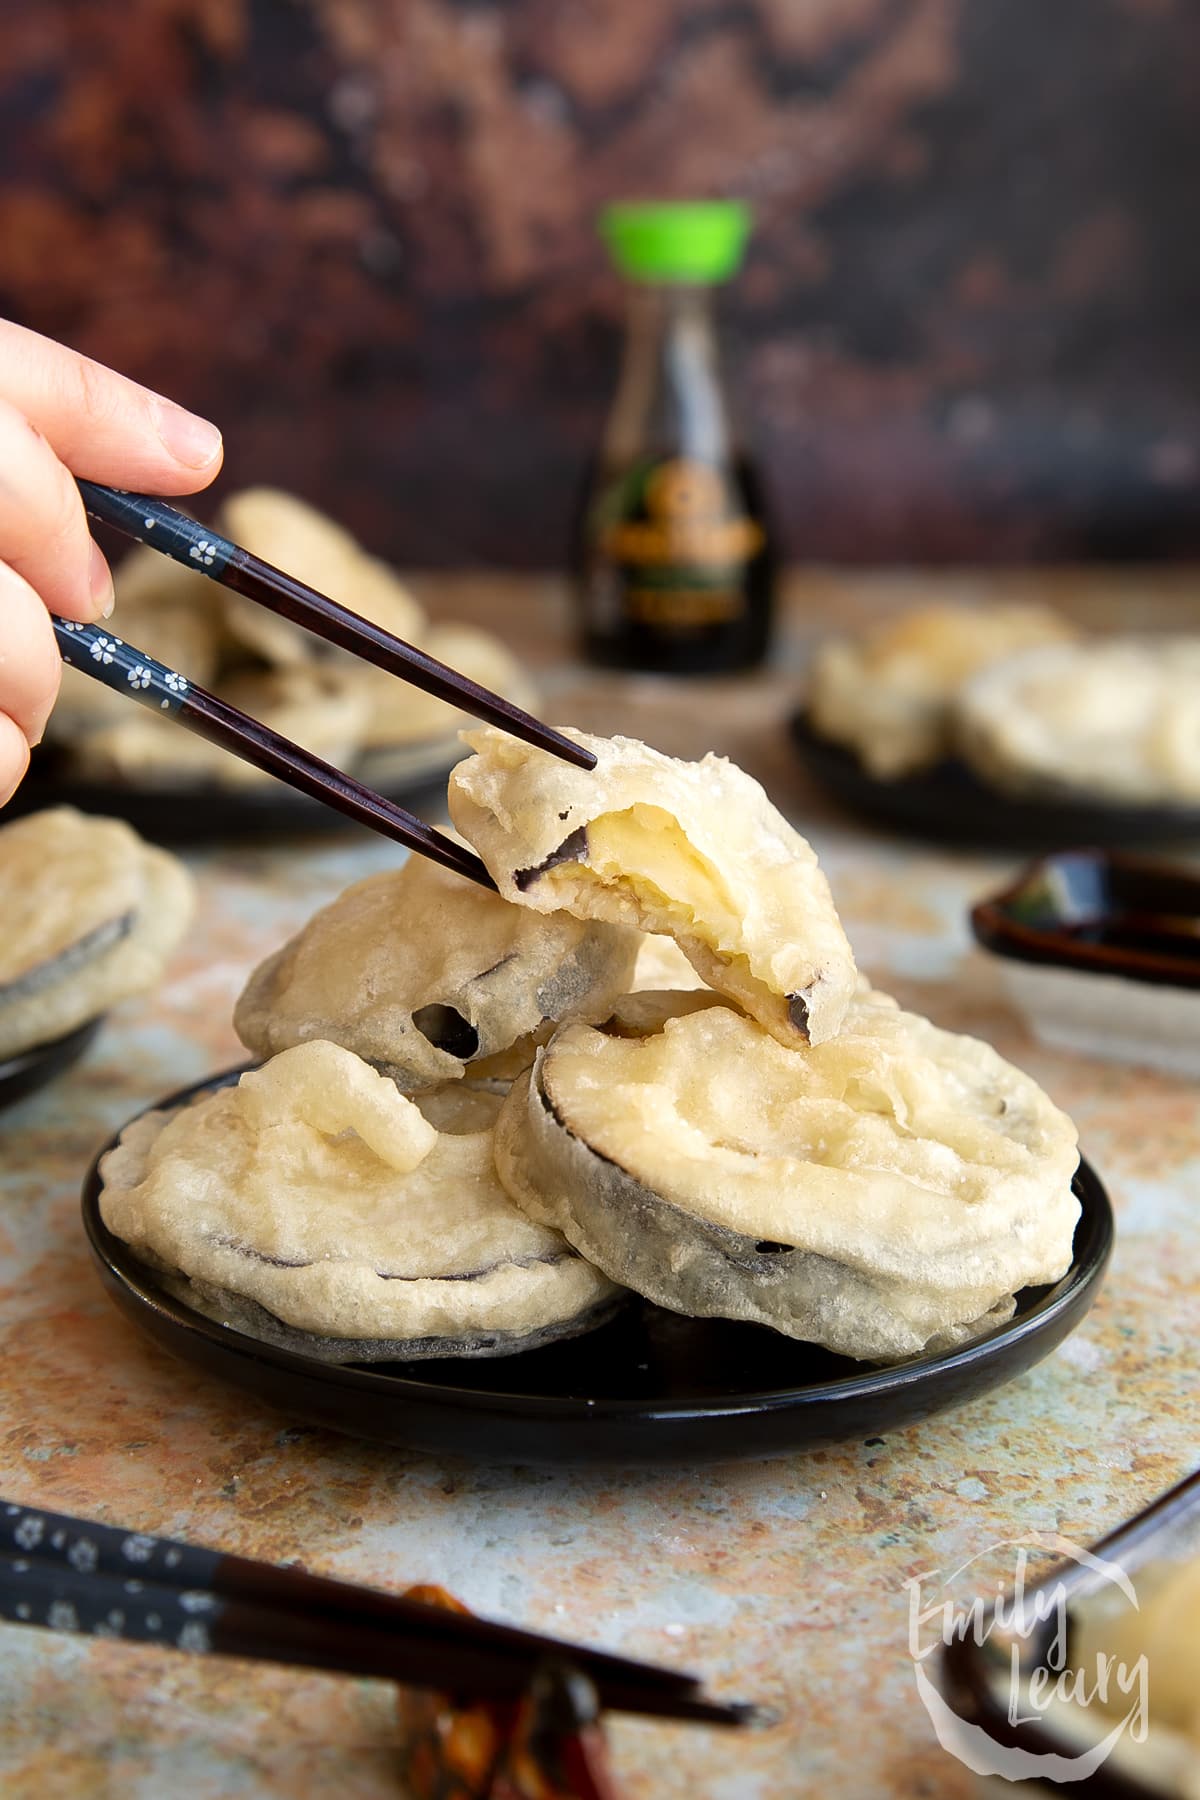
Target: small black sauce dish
[(1101, 953)]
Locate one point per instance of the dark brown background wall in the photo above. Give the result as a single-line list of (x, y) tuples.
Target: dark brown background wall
[(359, 234)]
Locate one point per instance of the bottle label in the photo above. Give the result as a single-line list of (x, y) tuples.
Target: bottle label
[(683, 551)]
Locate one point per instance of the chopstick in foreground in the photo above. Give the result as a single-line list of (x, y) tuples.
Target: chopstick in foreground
[(72, 1575), (99, 653), (136, 1611), (163, 527)]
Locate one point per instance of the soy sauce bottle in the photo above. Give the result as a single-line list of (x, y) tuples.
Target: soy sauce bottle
[(673, 555)]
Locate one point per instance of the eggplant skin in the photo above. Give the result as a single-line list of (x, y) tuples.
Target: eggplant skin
[(369, 1234), (422, 976), (688, 1264), (71, 960), (126, 954), (240, 1313)]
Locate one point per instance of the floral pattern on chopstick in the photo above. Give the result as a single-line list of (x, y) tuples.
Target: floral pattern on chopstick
[(120, 665)]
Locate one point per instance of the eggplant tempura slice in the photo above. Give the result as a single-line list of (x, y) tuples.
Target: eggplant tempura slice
[(313, 1206), (888, 693), (424, 975), (91, 914), (315, 705), (692, 850), (285, 531), (882, 1194), (1116, 720)]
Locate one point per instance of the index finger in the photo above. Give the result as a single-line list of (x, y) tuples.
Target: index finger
[(103, 426)]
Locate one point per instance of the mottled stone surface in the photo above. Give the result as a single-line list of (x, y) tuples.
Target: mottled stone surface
[(780, 1581), (359, 233)]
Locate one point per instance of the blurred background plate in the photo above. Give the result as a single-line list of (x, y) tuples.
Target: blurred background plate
[(648, 1387), (204, 812), (948, 804)]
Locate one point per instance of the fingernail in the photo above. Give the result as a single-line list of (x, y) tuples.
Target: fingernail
[(191, 441), (100, 583)]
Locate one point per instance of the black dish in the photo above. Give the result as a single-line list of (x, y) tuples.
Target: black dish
[(201, 813), (32, 1069), (648, 1387), (1102, 913), (948, 804)]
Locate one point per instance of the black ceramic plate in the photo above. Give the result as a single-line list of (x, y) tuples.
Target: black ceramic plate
[(200, 813), (1102, 913), (32, 1069), (948, 804), (648, 1387)]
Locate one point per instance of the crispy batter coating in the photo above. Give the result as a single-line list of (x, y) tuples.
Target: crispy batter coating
[(91, 914), (694, 850), (888, 694), (1115, 719), (423, 974), (314, 1196), (883, 1193)]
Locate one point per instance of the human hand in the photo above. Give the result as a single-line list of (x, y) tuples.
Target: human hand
[(62, 415)]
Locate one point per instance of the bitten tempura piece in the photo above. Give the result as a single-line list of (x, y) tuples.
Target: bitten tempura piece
[(314, 1206), (694, 850), (884, 1193)]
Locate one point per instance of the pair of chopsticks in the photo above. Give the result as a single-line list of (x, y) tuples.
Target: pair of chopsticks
[(72, 1575), (100, 653)]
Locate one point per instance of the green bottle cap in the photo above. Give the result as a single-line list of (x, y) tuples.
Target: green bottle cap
[(676, 240)]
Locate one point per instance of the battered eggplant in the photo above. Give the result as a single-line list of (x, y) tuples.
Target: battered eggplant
[(91, 914), (889, 693), (693, 850), (1117, 719), (312, 1205), (423, 975), (882, 1194)]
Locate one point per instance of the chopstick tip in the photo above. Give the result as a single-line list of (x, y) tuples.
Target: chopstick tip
[(567, 750), (697, 1709), (554, 742), (742, 1715), (750, 1714)]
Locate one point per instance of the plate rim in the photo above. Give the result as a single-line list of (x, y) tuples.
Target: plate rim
[(997, 925), (117, 1263), (32, 1069)]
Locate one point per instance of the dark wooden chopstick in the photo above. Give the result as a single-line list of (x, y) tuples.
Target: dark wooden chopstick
[(98, 652), (163, 527), (136, 1611), (81, 1545), (68, 1575)]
